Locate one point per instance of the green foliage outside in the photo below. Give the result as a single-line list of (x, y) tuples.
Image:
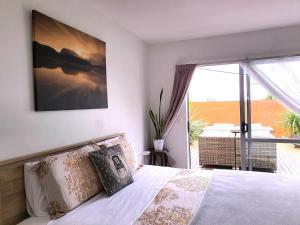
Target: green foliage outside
[(195, 129), (269, 97), (291, 123)]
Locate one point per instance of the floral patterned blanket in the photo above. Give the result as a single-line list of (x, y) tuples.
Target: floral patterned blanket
[(178, 201)]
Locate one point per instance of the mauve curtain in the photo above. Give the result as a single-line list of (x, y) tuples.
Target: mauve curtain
[(182, 79)]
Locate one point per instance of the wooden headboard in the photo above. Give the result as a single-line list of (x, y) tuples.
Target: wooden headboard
[(12, 191)]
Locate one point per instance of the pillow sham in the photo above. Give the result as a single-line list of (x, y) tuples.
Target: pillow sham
[(69, 179), (36, 201), (112, 169), (126, 147)]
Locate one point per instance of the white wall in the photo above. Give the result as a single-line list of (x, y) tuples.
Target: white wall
[(24, 131), (162, 59)]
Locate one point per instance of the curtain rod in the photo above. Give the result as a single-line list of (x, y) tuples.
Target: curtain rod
[(241, 60)]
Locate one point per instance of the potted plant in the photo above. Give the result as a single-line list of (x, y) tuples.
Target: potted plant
[(291, 122), (158, 122)]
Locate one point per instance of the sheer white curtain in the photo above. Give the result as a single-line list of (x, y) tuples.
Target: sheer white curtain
[(281, 77)]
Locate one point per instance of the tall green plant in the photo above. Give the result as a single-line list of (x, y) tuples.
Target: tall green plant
[(158, 120), (291, 122)]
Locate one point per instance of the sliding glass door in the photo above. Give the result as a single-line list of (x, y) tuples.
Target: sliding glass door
[(269, 115), (246, 115)]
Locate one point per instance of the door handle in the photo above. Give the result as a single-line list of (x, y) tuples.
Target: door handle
[(244, 127)]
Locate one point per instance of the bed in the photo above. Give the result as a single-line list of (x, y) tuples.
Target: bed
[(166, 196), (162, 195)]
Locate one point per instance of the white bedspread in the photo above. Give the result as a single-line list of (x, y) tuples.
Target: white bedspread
[(250, 198), (124, 207)]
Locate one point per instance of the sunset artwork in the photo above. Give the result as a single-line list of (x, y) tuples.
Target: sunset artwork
[(69, 67)]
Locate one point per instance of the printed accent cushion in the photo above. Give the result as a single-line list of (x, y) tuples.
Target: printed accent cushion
[(112, 168), (69, 179), (126, 147)]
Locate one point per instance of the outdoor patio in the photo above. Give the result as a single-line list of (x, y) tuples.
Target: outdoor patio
[(288, 158)]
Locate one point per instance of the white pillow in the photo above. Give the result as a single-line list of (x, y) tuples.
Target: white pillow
[(35, 196)]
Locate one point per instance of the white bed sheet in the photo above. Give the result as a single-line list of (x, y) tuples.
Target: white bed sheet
[(123, 208)]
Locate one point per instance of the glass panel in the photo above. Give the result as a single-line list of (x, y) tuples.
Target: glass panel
[(268, 114), (272, 119), (273, 82), (281, 77)]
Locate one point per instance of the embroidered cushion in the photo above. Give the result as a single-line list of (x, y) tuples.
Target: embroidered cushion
[(69, 179), (126, 147), (112, 168)]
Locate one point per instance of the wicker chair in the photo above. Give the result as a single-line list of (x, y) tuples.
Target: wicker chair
[(219, 151)]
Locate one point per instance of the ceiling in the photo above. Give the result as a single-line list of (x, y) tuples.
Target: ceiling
[(157, 21)]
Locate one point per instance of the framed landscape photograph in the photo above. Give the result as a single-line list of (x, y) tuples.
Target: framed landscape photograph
[(69, 67)]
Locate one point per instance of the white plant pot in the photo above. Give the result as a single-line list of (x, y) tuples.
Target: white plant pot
[(158, 144)]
